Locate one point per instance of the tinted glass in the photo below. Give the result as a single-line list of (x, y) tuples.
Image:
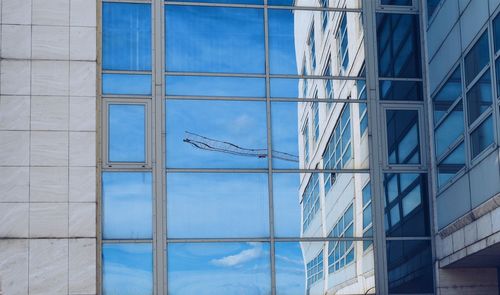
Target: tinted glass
[(407, 205), (225, 1), (409, 267), (496, 33), (451, 165), (127, 132), (221, 205), (215, 86), (314, 88), (403, 137), (431, 6), (477, 58), (400, 90), (219, 268), (449, 92), (449, 130), (126, 36), (479, 97), (126, 84), (482, 137), (396, 2), (214, 39), (398, 45), (497, 71), (216, 134), (127, 205), (127, 269)]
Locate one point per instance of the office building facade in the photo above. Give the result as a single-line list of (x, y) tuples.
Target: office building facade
[(249, 147)]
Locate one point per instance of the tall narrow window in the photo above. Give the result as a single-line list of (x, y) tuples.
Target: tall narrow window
[(403, 142), (342, 43), (312, 47)]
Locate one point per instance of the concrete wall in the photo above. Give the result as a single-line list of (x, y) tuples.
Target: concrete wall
[(47, 147)]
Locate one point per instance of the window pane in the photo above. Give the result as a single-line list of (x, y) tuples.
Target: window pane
[(298, 199), (127, 269), (126, 36), (218, 205), (219, 268), (449, 92), (409, 267), (215, 86), (127, 205), (431, 6), (126, 84), (127, 132), (482, 137), (316, 88), (214, 39), (496, 33), (216, 134), (479, 97), (408, 208), (400, 90), (449, 130), (497, 72), (477, 58), (453, 163), (402, 136), (398, 45), (258, 2)]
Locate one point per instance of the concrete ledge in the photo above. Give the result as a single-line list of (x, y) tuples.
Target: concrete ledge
[(468, 218)]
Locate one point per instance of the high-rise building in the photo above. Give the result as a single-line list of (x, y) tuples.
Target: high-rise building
[(249, 147)]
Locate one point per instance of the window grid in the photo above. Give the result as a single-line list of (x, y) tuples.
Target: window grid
[(311, 203), (341, 253), (315, 270), (338, 149)]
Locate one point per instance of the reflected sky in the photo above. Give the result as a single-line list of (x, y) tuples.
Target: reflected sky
[(219, 269), (127, 205), (281, 42), (287, 222), (290, 271), (201, 205), (126, 84), (214, 39), (233, 125), (127, 269), (215, 86), (284, 121), (127, 132)]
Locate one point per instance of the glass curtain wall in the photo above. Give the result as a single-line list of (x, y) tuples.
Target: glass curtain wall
[(235, 149)]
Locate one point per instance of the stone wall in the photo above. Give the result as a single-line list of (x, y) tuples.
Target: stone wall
[(47, 147)]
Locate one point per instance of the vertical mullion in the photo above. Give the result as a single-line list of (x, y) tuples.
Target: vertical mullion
[(375, 146), (158, 146), (269, 151)]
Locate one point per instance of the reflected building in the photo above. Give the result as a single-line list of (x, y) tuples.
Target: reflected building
[(333, 136)]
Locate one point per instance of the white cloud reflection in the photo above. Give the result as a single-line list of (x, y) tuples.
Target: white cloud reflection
[(244, 256)]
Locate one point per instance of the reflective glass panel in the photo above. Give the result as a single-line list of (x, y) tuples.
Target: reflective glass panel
[(396, 2), (126, 36), (400, 90), (215, 86), (127, 269), (496, 33), (398, 45), (477, 58), (403, 136), (126, 84), (218, 205), (479, 97), (298, 199), (449, 130), (497, 72), (297, 40), (409, 267), (219, 268), (300, 129), (482, 137), (216, 134), (214, 39), (223, 1), (406, 205), (127, 132), (127, 205), (451, 165), (448, 93), (431, 6), (329, 89)]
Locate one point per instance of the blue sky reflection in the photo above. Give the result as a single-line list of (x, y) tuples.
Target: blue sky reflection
[(127, 269), (203, 205), (241, 123), (219, 269), (214, 39)]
